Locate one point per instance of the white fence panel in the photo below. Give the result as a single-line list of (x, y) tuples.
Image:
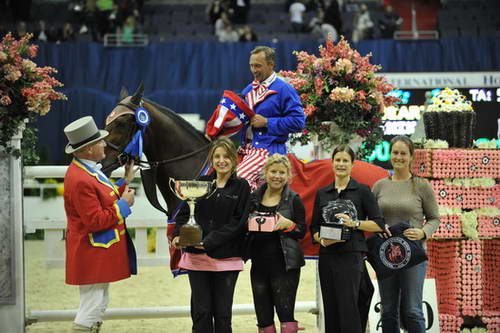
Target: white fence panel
[(49, 215)]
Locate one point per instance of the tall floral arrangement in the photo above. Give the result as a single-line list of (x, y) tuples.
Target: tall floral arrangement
[(26, 90), (341, 95)]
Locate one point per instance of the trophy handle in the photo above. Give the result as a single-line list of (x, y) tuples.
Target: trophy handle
[(173, 189), (213, 189)]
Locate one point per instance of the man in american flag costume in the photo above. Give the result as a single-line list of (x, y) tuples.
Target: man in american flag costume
[(272, 111), (278, 112)]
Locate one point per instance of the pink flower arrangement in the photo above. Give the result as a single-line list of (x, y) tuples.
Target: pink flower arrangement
[(25, 89), (340, 87)]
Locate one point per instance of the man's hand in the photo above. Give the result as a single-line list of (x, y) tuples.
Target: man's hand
[(258, 121), (128, 196)]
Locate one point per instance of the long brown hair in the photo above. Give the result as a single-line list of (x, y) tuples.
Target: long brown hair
[(228, 146)]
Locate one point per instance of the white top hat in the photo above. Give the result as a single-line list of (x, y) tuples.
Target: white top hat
[(81, 133)]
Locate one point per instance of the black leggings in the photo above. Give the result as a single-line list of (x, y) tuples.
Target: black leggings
[(212, 300), (273, 286)]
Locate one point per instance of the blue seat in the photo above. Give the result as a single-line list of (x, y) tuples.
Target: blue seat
[(448, 33), (468, 31)]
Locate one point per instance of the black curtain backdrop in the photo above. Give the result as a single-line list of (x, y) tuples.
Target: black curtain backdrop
[(190, 77)]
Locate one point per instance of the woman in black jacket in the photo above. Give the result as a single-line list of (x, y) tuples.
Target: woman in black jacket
[(341, 266), (213, 265), (276, 256)]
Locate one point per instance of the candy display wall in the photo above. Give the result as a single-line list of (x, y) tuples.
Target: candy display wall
[(464, 253)]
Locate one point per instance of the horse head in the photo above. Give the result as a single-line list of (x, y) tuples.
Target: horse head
[(173, 147), (121, 125)]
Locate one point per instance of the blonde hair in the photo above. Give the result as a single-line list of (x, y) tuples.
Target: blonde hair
[(281, 159), (228, 146)]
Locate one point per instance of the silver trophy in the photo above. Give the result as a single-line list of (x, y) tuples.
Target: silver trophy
[(190, 190)]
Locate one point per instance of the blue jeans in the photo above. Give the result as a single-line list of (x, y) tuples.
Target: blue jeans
[(403, 291)]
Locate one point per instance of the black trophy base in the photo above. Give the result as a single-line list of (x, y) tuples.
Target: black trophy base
[(190, 235)]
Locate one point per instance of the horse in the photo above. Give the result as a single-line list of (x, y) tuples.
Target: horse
[(174, 148)]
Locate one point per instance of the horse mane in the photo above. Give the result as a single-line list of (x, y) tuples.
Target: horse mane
[(178, 119)]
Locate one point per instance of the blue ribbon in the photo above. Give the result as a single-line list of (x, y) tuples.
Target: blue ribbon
[(134, 148)]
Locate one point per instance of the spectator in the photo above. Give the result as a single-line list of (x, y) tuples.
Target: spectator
[(349, 11), (42, 34), (363, 25), (106, 13), (389, 23), (320, 29), (332, 15), (21, 30), (125, 9), (297, 10), (240, 8), (221, 23), (228, 33), (128, 29), (67, 33), (215, 9), (247, 35), (313, 5), (350, 6)]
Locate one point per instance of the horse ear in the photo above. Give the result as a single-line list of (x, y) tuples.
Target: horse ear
[(123, 93), (139, 93)]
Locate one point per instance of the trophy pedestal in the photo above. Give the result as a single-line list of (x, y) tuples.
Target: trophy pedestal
[(190, 235)]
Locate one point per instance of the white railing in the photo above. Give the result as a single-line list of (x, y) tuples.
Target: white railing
[(49, 215), (414, 33), (118, 40), (151, 312)]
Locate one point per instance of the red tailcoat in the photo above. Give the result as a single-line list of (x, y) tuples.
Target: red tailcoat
[(93, 204)]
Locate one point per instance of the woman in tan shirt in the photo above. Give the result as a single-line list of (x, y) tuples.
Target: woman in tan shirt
[(404, 197)]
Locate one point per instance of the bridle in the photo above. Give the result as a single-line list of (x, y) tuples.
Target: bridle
[(123, 158)]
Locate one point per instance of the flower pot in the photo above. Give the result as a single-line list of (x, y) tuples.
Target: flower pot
[(455, 127)]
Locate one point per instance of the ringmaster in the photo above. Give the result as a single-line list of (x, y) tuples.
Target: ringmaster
[(278, 111), (99, 249)]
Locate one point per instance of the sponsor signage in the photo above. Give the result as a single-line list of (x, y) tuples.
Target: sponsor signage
[(431, 80)]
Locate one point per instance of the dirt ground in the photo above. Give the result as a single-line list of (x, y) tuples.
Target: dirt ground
[(153, 286)]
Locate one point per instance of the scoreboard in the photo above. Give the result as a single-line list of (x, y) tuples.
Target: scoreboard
[(415, 91)]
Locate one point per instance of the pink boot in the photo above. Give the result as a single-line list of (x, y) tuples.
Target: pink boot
[(267, 329), (290, 327)]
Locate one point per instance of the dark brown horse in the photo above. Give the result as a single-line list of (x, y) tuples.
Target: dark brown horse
[(173, 147)]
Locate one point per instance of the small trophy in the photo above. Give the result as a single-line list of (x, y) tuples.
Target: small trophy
[(190, 190), (334, 228)]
